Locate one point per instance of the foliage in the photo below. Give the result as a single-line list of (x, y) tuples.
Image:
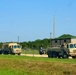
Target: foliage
[(67, 36), (1, 45), (42, 43), (37, 44)]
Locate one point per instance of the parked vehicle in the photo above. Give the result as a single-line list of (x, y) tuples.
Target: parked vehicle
[(64, 51), (41, 52), (11, 48)]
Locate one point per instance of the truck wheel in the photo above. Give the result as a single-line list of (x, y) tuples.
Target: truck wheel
[(12, 53), (59, 56), (74, 57), (19, 53), (54, 54), (6, 52), (65, 56), (49, 56), (49, 53), (0, 51)]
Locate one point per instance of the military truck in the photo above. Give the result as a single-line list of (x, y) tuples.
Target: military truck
[(64, 51), (11, 48)]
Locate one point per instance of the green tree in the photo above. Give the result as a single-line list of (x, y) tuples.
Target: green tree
[(1, 45), (67, 36)]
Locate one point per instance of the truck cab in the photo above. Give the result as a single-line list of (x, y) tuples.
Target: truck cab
[(72, 49)]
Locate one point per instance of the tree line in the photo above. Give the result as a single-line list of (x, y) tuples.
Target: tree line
[(45, 43), (33, 44), (39, 43)]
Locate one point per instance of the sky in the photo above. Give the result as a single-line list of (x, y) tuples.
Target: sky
[(33, 19)]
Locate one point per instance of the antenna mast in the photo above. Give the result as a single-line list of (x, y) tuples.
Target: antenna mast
[(54, 26)]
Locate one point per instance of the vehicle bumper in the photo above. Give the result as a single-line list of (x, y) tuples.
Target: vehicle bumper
[(72, 54)]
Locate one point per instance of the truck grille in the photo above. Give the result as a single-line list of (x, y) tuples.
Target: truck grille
[(74, 51)]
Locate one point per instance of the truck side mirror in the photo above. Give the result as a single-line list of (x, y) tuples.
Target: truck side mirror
[(67, 46)]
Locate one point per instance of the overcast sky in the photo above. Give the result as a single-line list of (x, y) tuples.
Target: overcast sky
[(33, 19)]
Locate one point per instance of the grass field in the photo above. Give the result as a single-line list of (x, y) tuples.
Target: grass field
[(30, 51), (22, 65)]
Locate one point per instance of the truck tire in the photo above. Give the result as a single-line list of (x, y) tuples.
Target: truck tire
[(19, 53), (12, 53), (65, 56), (54, 54), (74, 57), (49, 54), (6, 52), (0, 51), (58, 55)]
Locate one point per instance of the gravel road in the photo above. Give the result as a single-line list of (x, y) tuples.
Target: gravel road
[(35, 55)]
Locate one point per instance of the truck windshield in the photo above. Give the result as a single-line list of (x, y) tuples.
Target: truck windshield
[(71, 46), (16, 46), (75, 45)]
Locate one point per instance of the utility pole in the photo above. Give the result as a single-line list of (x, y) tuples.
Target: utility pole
[(54, 26), (50, 38)]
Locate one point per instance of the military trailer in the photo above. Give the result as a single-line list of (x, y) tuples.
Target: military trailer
[(11, 48), (62, 48)]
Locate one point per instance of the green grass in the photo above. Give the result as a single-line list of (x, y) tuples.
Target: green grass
[(30, 51), (23, 65)]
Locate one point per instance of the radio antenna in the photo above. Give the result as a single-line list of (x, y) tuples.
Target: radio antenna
[(54, 25)]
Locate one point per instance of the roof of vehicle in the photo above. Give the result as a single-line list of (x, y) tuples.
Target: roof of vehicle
[(10, 43)]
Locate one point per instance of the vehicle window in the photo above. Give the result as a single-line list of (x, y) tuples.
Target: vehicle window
[(15, 46), (18, 46), (71, 46), (75, 45)]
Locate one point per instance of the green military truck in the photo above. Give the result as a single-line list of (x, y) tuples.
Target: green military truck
[(64, 51), (11, 48)]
